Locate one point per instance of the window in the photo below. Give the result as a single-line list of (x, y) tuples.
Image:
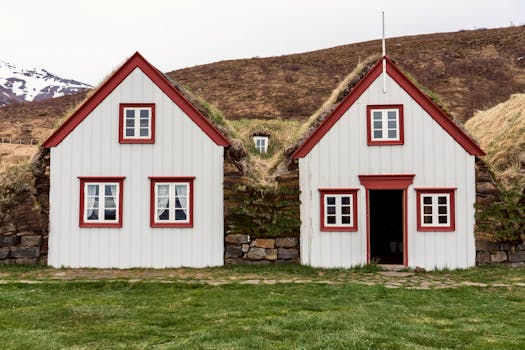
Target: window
[(171, 202), (261, 143), (137, 123), (435, 209), (385, 125), (338, 209), (101, 201)]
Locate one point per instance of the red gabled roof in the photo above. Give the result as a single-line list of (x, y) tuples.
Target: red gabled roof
[(419, 96), (135, 61)]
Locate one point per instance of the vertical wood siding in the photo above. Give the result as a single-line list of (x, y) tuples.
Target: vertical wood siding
[(429, 152), (92, 149)]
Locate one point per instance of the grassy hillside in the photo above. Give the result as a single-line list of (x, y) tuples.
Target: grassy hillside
[(501, 133)]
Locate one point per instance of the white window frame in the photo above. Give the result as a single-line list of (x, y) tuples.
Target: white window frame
[(264, 139), (351, 213), (171, 203), (136, 121), (435, 209), (101, 203), (384, 125)]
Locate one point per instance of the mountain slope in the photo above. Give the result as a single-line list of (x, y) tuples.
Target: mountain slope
[(469, 70), (19, 84)]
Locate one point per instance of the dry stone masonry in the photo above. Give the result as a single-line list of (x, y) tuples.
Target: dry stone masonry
[(241, 249), (500, 253)]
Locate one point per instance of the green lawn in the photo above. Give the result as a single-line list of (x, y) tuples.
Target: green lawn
[(168, 313)]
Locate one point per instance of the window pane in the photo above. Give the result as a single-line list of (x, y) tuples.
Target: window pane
[(427, 209), (111, 190), (163, 190), (110, 202), (180, 215), (392, 134), (110, 214), (345, 210), (92, 190), (92, 214), (378, 134), (330, 210), (130, 132), (92, 202), (377, 115), (144, 123), (130, 113), (330, 200), (427, 200), (378, 125), (130, 123), (330, 219), (163, 214), (144, 114), (442, 209), (392, 115), (163, 202), (392, 124), (345, 200), (144, 132), (427, 219), (345, 220), (181, 202), (442, 200), (180, 190), (442, 219)]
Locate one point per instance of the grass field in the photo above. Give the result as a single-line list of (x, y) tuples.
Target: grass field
[(335, 309)]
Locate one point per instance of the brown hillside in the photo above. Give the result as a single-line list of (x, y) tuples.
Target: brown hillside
[(35, 120), (468, 70)]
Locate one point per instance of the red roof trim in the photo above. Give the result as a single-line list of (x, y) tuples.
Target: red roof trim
[(135, 61), (421, 98)]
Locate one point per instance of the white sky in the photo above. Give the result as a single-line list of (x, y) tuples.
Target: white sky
[(87, 40)]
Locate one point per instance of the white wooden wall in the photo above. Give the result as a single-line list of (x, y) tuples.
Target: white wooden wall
[(92, 149), (429, 152)]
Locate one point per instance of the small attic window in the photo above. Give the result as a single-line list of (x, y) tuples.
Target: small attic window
[(261, 143)]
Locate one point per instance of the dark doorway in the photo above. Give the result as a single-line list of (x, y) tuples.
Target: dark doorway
[(386, 226)]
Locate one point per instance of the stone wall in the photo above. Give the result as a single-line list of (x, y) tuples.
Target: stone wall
[(241, 249), (491, 253)]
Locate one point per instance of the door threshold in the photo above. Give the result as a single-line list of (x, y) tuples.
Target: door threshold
[(392, 267)]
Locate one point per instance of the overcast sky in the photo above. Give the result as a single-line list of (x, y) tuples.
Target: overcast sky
[(87, 40)]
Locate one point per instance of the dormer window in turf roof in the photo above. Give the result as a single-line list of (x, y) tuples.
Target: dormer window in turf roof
[(261, 143)]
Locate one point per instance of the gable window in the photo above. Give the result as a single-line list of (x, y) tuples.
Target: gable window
[(171, 202), (101, 201), (137, 123), (338, 209), (435, 209), (385, 125), (261, 143)]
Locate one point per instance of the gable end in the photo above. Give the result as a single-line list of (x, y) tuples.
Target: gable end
[(413, 91), (135, 61)]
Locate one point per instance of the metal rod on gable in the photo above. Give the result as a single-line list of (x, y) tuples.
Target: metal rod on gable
[(384, 53)]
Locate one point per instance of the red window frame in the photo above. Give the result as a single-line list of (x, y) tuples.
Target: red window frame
[(97, 179), (121, 127), (401, 124), (171, 179), (452, 209), (338, 191)]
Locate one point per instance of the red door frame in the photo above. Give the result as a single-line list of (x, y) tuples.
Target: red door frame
[(387, 182)]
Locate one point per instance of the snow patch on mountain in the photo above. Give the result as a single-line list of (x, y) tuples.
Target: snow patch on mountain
[(18, 83)]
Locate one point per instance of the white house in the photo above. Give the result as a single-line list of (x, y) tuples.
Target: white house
[(387, 177), (136, 178)]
